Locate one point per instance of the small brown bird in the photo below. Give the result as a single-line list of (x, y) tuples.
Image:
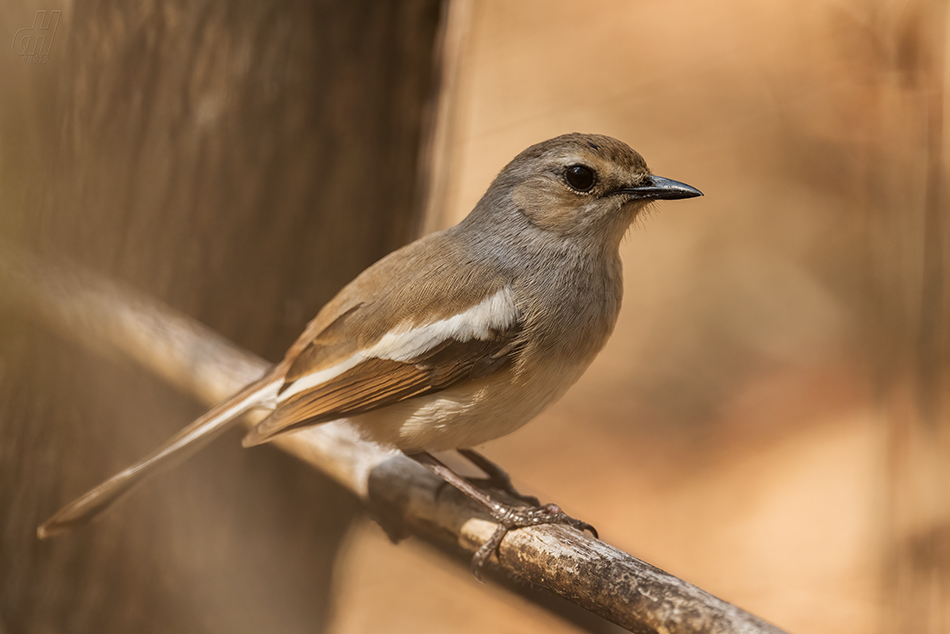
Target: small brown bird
[(460, 337)]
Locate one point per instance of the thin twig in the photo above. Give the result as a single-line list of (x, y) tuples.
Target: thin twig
[(407, 499)]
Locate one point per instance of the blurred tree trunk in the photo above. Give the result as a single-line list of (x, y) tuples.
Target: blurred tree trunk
[(909, 267), (241, 162)]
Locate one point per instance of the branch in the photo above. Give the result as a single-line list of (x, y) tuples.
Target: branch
[(406, 498)]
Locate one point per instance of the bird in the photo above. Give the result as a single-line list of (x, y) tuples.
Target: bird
[(458, 338)]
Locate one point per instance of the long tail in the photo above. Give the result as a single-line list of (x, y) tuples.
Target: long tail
[(177, 449)]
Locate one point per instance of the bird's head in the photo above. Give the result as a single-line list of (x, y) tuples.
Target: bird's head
[(580, 186)]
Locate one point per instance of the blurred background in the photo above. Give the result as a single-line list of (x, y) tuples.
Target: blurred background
[(769, 422)]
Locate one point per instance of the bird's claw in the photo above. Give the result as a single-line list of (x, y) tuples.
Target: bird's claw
[(511, 518)]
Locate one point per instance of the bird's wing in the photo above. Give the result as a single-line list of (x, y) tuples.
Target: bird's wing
[(341, 372)]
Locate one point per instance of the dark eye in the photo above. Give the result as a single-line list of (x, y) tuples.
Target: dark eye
[(580, 177)]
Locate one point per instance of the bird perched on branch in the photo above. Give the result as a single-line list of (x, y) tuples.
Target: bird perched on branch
[(460, 337)]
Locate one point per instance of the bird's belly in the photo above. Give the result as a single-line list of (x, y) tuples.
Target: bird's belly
[(468, 415)]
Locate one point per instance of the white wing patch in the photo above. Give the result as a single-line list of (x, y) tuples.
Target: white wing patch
[(310, 381), (407, 341)]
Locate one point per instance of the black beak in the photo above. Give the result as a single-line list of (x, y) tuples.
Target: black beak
[(659, 188)]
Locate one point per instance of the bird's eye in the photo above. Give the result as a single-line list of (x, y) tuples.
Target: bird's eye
[(580, 177)]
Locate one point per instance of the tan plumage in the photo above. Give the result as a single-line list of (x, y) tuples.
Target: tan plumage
[(464, 335)]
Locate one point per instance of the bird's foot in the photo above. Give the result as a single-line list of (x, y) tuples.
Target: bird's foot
[(511, 518)]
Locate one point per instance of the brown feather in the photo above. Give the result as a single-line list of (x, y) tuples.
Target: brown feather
[(436, 281), (376, 383)]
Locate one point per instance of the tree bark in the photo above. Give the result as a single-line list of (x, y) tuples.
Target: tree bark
[(239, 162)]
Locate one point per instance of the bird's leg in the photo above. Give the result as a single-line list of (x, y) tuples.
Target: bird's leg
[(508, 517), (497, 478)]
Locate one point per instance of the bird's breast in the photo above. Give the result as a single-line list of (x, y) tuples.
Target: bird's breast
[(569, 316)]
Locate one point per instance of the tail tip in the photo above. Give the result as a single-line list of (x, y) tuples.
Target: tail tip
[(253, 439), (46, 530)]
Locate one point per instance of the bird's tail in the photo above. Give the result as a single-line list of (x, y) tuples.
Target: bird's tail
[(177, 449)]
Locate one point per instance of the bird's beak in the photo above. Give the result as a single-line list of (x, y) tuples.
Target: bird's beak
[(659, 188)]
